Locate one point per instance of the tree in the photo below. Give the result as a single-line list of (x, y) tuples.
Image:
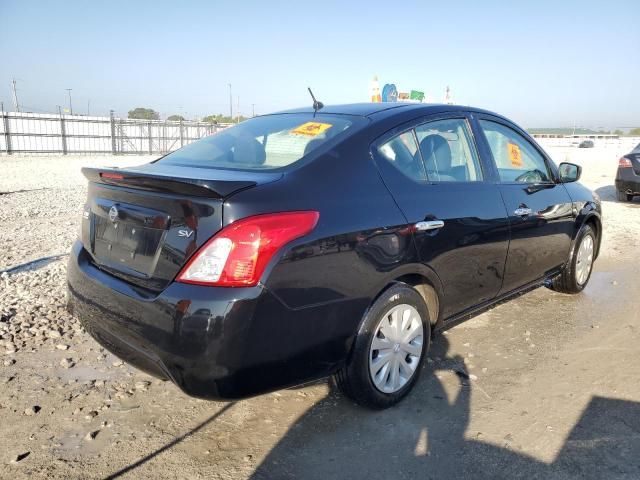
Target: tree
[(635, 132), (618, 132), (176, 118), (219, 118), (144, 114)]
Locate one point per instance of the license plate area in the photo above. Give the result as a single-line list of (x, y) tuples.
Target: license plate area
[(128, 240)]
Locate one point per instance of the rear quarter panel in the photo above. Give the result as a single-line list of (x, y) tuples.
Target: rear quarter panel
[(361, 240)]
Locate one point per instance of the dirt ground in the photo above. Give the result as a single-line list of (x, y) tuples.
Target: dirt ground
[(546, 386)]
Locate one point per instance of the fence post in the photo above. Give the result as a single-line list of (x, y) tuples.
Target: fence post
[(181, 135), (7, 134), (150, 141), (63, 133), (112, 121)]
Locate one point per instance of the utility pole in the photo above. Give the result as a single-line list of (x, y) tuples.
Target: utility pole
[(15, 95), (253, 109), (238, 112), (230, 104), (70, 106), (88, 104)]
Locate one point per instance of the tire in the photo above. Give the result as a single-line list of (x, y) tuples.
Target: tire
[(573, 279), (355, 379), (623, 197)]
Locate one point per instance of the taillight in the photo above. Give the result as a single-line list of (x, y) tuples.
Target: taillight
[(624, 162), (111, 176), (238, 254)]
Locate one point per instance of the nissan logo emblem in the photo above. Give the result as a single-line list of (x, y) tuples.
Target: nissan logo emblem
[(113, 213)]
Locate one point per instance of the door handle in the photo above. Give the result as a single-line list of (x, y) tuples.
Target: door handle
[(522, 212), (429, 225)]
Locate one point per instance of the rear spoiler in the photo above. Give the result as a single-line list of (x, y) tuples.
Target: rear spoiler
[(132, 178)]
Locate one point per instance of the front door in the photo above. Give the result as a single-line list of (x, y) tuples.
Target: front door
[(435, 174), (540, 210)]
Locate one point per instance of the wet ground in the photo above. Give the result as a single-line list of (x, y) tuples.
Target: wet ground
[(545, 386)]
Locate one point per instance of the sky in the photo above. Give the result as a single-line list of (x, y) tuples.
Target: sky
[(541, 63)]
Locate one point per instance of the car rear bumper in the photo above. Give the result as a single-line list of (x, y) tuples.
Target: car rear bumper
[(628, 181), (216, 343)]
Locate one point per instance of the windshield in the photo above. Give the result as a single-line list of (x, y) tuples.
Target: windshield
[(269, 142)]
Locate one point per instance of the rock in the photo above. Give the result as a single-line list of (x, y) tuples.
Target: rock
[(62, 346), (473, 377), (91, 435), (9, 362), (67, 362), (91, 414), (32, 410), (142, 385), (53, 334), (19, 457), (118, 363)]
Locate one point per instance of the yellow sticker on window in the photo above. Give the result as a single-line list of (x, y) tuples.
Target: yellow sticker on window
[(514, 154), (311, 129)]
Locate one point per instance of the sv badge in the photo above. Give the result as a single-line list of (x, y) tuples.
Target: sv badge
[(185, 233)]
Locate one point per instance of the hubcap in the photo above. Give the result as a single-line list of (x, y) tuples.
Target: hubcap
[(396, 348), (584, 260)]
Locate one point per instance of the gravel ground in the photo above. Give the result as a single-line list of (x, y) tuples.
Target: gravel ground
[(545, 386)]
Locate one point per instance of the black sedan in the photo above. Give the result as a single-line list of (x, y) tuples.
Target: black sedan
[(319, 242), (628, 176)]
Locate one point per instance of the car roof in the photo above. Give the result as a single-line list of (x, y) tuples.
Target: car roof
[(385, 109)]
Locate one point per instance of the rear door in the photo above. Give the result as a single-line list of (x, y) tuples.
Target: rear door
[(540, 210), (436, 176)]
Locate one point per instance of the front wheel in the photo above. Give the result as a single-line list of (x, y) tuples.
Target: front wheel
[(389, 349), (577, 272)]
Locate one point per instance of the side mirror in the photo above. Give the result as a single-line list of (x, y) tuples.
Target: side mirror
[(569, 172)]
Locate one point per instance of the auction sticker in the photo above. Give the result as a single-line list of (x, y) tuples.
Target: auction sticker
[(311, 129), (514, 154)]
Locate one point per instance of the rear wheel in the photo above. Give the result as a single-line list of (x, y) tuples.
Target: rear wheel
[(577, 272), (389, 350), (623, 196)]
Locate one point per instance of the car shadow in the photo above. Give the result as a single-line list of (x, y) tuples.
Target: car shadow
[(608, 194), (425, 436)]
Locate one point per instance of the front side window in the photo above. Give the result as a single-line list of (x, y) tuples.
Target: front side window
[(448, 151), (263, 143), (516, 158)]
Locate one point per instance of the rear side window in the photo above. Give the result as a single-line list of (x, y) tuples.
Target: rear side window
[(402, 152), (516, 158), (263, 143), (448, 151)]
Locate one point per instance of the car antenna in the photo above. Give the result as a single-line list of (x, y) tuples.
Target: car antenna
[(316, 104)]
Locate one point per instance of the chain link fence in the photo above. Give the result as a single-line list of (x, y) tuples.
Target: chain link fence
[(78, 134)]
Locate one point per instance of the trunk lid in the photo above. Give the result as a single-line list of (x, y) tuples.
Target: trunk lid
[(142, 224)]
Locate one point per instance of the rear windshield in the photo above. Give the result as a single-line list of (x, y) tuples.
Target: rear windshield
[(637, 149), (262, 143)]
